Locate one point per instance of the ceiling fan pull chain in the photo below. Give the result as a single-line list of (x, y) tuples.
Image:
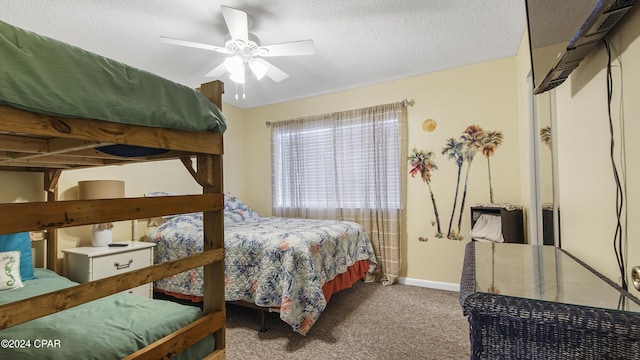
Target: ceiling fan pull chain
[(244, 96), (236, 90)]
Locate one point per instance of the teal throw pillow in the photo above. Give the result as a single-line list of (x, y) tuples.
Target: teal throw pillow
[(20, 242)]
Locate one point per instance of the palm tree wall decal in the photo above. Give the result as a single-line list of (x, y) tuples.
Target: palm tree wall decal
[(472, 141), (490, 143), (453, 151), (422, 162), (461, 150)]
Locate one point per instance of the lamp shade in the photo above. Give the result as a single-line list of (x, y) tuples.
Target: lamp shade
[(100, 189)]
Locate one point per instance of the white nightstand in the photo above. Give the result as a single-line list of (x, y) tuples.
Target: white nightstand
[(90, 263)]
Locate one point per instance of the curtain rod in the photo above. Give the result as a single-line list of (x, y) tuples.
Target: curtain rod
[(404, 102)]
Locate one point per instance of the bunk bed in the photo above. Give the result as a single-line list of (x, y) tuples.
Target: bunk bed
[(62, 108), (285, 265)]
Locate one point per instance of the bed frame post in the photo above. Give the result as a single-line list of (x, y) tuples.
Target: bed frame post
[(213, 91), (209, 176), (51, 178)]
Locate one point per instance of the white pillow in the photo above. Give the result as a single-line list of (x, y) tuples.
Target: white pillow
[(10, 270)]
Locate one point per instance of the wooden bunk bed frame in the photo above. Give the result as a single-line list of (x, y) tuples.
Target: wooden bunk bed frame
[(47, 144)]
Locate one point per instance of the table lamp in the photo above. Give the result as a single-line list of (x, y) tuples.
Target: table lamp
[(102, 234)]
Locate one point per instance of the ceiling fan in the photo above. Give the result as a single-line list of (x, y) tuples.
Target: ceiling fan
[(246, 51)]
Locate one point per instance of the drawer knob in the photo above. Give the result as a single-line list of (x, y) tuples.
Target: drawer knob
[(123, 266)]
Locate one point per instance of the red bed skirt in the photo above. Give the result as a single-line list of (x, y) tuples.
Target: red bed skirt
[(342, 281)]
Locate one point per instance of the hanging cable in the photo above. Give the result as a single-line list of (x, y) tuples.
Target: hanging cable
[(618, 236)]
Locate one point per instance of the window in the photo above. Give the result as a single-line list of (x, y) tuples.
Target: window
[(345, 160), (346, 166)]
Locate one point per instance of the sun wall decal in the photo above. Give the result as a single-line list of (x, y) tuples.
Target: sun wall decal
[(429, 125)]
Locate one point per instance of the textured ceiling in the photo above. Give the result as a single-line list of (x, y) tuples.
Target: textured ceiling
[(358, 42)]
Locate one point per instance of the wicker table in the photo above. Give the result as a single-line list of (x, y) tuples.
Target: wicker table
[(540, 302)]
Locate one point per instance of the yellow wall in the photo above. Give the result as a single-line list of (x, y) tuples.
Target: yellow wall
[(483, 94), (21, 185), (493, 95), (587, 189)]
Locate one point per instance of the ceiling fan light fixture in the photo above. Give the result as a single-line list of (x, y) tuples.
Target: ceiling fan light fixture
[(237, 77), (246, 51), (258, 68), (234, 64)]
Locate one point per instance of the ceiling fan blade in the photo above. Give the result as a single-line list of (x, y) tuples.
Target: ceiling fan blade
[(218, 71), (273, 72), (237, 23), (302, 47), (192, 44)]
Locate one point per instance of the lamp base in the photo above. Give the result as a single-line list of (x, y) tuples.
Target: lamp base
[(101, 238)]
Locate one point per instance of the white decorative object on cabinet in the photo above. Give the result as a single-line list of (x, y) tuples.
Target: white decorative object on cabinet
[(90, 263)]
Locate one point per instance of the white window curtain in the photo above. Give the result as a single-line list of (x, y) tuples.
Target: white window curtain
[(346, 166)]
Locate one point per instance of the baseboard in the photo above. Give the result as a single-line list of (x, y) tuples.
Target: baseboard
[(430, 284)]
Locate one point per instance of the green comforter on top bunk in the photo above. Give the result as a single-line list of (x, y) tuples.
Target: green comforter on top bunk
[(108, 328), (44, 75)]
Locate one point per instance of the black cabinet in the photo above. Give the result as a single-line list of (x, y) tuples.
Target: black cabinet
[(511, 216)]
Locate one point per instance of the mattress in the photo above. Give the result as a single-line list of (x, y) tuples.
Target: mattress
[(269, 261), (43, 75), (108, 328)]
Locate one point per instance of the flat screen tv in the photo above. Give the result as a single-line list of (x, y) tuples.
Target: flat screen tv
[(563, 32)]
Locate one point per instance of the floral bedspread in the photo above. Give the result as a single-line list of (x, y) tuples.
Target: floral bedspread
[(269, 261)]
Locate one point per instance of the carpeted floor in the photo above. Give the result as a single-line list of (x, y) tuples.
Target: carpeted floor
[(368, 321)]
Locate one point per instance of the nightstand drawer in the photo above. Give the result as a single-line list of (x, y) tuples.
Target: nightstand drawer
[(115, 264), (85, 264), (144, 290)]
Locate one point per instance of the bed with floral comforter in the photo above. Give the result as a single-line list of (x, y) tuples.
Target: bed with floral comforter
[(269, 261)]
